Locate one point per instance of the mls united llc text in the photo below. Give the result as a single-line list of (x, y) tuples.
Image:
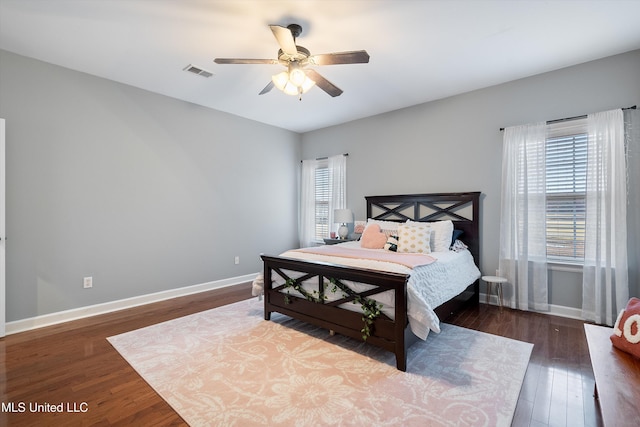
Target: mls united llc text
[(20, 407)]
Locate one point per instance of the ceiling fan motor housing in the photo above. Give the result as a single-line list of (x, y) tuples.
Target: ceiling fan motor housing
[(303, 53), (295, 29)]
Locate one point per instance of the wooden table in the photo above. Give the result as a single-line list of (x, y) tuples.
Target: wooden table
[(617, 376)]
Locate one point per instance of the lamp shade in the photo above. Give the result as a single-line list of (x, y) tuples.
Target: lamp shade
[(342, 216)]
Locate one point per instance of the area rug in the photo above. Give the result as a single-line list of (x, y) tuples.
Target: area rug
[(230, 367)]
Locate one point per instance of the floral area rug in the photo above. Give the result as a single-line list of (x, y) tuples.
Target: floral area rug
[(230, 367)]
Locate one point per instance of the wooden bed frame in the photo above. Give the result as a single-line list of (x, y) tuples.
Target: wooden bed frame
[(392, 335)]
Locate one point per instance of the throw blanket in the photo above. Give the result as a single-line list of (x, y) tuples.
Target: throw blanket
[(408, 260)]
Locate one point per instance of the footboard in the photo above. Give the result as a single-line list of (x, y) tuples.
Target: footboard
[(384, 332)]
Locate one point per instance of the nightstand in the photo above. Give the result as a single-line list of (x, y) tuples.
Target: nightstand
[(336, 241)]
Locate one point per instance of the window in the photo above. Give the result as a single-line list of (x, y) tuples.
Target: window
[(566, 172), (323, 189), (564, 200)]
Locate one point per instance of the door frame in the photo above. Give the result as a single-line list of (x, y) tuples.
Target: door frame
[(3, 245)]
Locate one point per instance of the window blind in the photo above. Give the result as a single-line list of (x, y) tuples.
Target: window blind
[(566, 168), (322, 202)]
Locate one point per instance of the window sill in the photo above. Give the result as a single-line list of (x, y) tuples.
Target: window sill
[(572, 267)]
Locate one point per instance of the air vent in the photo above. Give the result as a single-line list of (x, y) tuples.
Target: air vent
[(197, 70)]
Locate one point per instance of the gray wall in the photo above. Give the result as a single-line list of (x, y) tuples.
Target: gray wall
[(455, 144), (143, 192), (147, 193)]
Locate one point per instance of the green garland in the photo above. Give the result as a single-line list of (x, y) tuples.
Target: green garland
[(371, 309)]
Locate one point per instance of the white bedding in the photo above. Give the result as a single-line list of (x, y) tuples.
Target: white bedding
[(429, 286)]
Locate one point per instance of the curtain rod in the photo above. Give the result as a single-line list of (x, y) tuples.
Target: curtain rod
[(325, 158), (566, 119)]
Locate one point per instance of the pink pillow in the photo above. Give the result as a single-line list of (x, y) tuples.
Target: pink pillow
[(373, 237), (626, 332)]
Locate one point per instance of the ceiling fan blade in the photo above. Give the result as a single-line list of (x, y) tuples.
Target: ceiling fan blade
[(323, 83), (285, 39), (245, 61), (267, 88), (352, 57)]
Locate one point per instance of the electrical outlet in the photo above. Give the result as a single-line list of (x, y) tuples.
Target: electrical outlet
[(237, 260), (88, 282)]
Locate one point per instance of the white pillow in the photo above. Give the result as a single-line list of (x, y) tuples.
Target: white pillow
[(389, 228), (414, 238), (442, 233)]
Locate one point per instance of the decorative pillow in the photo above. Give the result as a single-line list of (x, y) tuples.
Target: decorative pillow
[(414, 238), (626, 332), (373, 238), (458, 246), (392, 244), (389, 228), (358, 227), (442, 234), (456, 235)]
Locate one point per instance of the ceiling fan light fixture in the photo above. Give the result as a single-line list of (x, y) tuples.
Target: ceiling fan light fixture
[(307, 84), (297, 76), (294, 82), (291, 89), (280, 80)]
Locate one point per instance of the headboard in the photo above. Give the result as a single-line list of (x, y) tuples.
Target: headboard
[(463, 209)]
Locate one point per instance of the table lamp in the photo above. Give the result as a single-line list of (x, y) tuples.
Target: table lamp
[(343, 217)]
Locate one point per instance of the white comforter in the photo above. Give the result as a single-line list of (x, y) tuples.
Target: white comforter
[(429, 285)]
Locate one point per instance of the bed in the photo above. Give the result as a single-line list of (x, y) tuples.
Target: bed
[(303, 286)]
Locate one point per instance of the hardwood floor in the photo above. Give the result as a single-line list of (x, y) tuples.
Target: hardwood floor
[(559, 383), (72, 364)]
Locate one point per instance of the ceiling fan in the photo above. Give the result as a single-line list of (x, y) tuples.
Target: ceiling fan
[(298, 79)]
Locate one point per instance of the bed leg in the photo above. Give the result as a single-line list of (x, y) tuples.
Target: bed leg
[(267, 315), (401, 362)]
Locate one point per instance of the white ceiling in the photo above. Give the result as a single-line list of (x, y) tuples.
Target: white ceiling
[(420, 50)]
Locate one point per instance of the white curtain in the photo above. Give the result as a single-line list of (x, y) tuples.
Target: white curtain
[(522, 258), (307, 222), (337, 184), (605, 282), (632, 144), (337, 168)]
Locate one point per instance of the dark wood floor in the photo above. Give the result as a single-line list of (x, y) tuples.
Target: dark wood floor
[(73, 364), (558, 386)]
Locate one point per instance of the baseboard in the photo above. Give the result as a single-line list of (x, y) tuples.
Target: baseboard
[(562, 311), (554, 310), (79, 313), (28, 324)]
